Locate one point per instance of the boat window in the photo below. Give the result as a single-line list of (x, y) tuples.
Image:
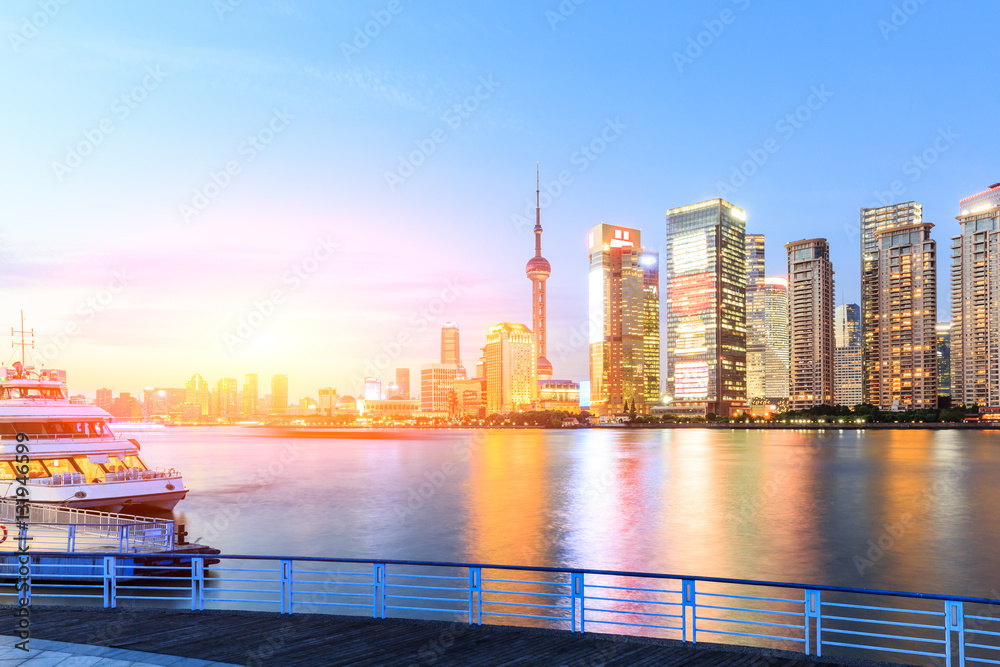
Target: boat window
[(35, 469), (30, 428), (90, 467), (7, 429), (116, 464), (62, 428), (59, 466)]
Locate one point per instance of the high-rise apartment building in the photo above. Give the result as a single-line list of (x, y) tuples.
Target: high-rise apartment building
[(705, 263), (944, 358), (848, 381), (279, 394), (511, 368), (373, 389), (403, 382), (327, 402), (902, 354), (874, 220), (436, 384), (649, 260), (616, 300), (251, 396), (451, 350), (538, 271), (810, 324), (767, 329), (104, 400), (975, 302)]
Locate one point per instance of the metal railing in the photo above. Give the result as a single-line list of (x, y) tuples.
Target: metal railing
[(813, 620), (55, 529)]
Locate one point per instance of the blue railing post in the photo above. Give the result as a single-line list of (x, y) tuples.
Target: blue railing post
[(688, 601), (110, 581), (955, 622), (812, 609), (579, 594), (475, 581), (286, 587), (197, 584), (71, 538), (378, 590)]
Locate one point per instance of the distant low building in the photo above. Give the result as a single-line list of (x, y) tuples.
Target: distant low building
[(394, 408), (560, 395)]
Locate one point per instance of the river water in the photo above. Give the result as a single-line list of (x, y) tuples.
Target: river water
[(902, 510)]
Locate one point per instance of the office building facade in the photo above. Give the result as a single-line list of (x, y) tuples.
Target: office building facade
[(848, 381), (810, 324), (511, 368)]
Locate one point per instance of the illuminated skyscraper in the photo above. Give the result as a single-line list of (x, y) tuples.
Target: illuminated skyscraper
[(450, 349), (848, 380), (104, 400), (706, 308), (944, 358), (810, 324), (874, 220), (196, 392), (328, 398), (279, 394), (650, 262), (403, 382), (373, 389), (617, 320), (903, 350), (251, 395), (755, 260), (767, 329), (538, 271), (975, 302), (226, 399), (511, 368)]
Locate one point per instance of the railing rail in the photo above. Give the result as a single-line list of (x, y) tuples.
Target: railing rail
[(54, 529), (810, 619)]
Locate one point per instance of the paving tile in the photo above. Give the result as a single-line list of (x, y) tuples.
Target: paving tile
[(80, 661)]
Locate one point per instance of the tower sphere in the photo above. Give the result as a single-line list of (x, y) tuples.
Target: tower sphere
[(538, 268)]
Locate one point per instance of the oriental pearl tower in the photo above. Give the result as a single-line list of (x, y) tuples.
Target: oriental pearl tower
[(538, 271)]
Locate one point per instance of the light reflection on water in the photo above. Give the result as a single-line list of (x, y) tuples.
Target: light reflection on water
[(776, 505)]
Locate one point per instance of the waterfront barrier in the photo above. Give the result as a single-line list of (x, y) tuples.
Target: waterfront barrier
[(811, 619)]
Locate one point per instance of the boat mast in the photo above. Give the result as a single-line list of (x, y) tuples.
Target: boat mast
[(23, 344)]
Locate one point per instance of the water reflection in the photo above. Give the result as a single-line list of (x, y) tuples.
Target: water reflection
[(913, 510)]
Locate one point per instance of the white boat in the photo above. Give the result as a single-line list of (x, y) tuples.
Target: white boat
[(74, 458)]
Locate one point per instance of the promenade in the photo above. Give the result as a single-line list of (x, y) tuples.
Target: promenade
[(259, 638)]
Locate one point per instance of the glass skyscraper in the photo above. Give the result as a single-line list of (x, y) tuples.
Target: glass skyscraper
[(705, 260), (848, 381)]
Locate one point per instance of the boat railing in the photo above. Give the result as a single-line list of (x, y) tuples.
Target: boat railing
[(130, 475), (814, 620), (65, 529)]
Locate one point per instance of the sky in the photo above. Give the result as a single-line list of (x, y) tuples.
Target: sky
[(312, 188)]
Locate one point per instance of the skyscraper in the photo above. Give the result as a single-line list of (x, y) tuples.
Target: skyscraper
[(196, 392), (944, 358), (650, 262), (403, 382), (975, 302), (511, 368), (706, 308), (810, 324), (767, 342), (538, 271), (874, 220), (848, 381), (104, 400), (226, 399), (451, 352), (279, 394), (251, 395), (755, 260), (616, 298), (902, 353), (373, 389)]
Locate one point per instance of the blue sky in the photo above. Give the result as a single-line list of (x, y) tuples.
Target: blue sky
[(310, 130)]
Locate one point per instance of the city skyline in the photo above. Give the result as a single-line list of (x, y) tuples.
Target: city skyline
[(155, 256)]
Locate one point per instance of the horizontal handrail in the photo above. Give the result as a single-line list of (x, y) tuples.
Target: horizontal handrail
[(574, 570)]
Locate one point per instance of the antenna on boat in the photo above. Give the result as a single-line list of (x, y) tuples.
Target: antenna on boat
[(23, 344)]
